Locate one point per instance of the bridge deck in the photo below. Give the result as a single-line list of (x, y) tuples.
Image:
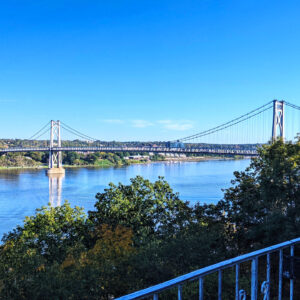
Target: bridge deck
[(137, 149)]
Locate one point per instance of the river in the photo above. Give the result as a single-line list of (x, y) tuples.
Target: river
[(22, 191)]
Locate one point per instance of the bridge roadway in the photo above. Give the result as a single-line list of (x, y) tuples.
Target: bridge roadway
[(136, 149)]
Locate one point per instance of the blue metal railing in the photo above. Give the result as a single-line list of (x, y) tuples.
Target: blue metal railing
[(219, 267)]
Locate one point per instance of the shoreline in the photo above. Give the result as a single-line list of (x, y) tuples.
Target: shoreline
[(167, 160)]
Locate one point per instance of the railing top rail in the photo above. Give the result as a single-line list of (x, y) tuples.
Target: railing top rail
[(206, 270)]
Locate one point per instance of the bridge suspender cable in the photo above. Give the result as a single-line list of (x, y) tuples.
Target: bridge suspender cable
[(229, 123), (232, 124)]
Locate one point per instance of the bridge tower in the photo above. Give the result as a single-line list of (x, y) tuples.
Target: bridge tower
[(55, 157), (278, 120)]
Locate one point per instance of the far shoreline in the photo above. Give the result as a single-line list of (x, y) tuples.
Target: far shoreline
[(167, 160)]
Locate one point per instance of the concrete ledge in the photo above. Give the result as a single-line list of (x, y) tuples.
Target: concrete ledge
[(56, 171)]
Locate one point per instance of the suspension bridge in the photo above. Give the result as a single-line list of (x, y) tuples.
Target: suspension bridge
[(240, 136)]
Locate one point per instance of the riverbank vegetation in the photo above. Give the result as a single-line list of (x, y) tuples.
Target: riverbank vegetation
[(143, 233), (97, 159), (18, 160)]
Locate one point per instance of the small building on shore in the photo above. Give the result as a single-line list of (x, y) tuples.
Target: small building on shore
[(137, 157)]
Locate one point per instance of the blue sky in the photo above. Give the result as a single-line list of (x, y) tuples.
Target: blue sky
[(143, 70)]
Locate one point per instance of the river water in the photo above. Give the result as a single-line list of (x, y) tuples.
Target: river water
[(22, 191)]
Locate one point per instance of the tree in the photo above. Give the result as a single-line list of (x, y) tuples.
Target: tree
[(91, 158), (149, 209), (97, 272), (263, 205), (70, 158), (31, 255), (57, 254), (37, 156)]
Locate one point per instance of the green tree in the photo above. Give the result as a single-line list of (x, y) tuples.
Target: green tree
[(149, 209), (91, 158), (263, 204), (31, 255), (37, 156), (70, 158)]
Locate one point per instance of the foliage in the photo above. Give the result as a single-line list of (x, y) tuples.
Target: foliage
[(149, 209), (263, 204), (158, 157), (18, 160), (31, 254)]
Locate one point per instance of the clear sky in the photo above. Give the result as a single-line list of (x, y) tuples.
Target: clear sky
[(143, 70)]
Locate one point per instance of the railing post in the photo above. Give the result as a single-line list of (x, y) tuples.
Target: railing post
[(155, 297), (254, 273), (237, 287), (201, 288), (220, 285), (280, 275), (292, 279), (268, 274), (179, 292)]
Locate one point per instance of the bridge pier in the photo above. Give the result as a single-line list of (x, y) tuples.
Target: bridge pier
[(54, 171), (55, 157)]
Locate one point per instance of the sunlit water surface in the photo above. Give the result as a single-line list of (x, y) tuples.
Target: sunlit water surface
[(22, 191)]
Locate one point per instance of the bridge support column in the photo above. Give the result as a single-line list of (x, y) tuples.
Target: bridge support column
[(55, 157), (278, 120)]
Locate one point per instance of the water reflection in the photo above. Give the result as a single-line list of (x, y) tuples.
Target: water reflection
[(55, 189)]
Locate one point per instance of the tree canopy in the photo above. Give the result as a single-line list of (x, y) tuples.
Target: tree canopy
[(263, 203)]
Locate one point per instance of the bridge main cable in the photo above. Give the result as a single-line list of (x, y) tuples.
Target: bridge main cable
[(77, 133), (34, 136), (292, 105)]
